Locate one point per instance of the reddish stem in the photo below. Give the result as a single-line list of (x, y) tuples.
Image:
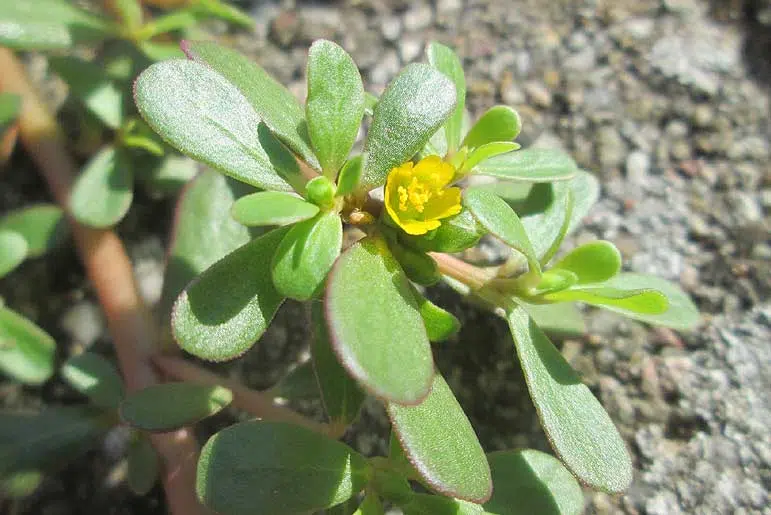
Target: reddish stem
[(251, 401), (109, 270)]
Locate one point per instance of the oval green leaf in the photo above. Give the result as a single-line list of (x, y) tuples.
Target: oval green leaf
[(456, 234), (438, 439), (440, 324), (592, 262), (202, 215), (340, 394), (349, 176), (272, 208), (35, 441), (445, 60), (529, 481), (103, 192), (224, 311), (555, 280), (169, 175), (169, 406), (21, 484), (375, 326), (412, 108), (13, 251), (499, 123), (91, 85), (586, 192), (143, 465), (198, 112), (487, 151), (305, 256), (422, 504), (495, 215), (680, 312), (643, 300), (532, 165), (299, 383), (270, 100), (42, 225), (417, 265), (277, 467), (548, 228), (562, 319), (26, 351), (578, 428), (50, 24), (335, 104), (95, 377)]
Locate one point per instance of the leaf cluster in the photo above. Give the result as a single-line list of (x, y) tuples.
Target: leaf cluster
[(373, 326), (269, 223), (125, 38)]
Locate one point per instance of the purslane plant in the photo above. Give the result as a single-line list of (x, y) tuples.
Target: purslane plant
[(373, 327)]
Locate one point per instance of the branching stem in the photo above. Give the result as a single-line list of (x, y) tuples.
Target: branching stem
[(251, 401), (109, 270)]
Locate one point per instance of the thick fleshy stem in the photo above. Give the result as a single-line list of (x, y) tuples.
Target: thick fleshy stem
[(109, 270), (481, 283), (466, 273)]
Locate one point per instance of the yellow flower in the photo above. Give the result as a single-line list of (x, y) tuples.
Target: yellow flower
[(417, 196)]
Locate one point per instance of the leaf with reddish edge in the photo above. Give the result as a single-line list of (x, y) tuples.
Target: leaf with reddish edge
[(277, 467), (223, 312), (168, 406), (527, 481), (340, 394), (375, 326), (579, 429), (275, 104), (438, 440), (202, 214)]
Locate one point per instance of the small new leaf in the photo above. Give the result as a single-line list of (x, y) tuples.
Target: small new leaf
[(532, 165), (498, 124), (272, 208)]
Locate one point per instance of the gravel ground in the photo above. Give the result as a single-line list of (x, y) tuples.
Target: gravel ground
[(668, 102)]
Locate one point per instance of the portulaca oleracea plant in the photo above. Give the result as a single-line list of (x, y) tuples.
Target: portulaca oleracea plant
[(409, 213)]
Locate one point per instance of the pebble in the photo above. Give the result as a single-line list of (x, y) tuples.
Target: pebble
[(448, 6), (538, 94), (638, 164), (418, 17), (703, 116), (284, 28), (582, 61), (680, 150), (386, 69), (754, 147), (676, 129), (639, 28), (410, 49), (391, 27), (611, 149), (84, 323), (745, 209)]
